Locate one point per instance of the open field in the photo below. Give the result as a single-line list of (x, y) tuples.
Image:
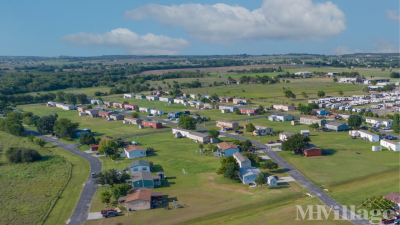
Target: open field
[(27, 190), (100, 126)]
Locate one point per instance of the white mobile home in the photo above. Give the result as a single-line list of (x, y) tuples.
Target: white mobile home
[(391, 145)]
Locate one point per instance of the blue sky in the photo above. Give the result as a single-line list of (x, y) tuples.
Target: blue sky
[(87, 28)]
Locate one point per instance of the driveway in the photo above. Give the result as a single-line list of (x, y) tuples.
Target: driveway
[(80, 213)]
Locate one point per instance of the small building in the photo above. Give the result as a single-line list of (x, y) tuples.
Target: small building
[(311, 150), (285, 135), (96, 102), (391, 145), (152, 97), (377, 148), (130, 107), (305, 132), (157, 112), (53, 104), (271, 181), (337, 126), (131, 120), (241, 159), (366, 135), (157, 92), (248, 174), (253, 111), (140, 96), (165, 99), (141, 199), (320, 112), (141, 179), (134, 151), (226, 99), (199, 137), (117, 117), (240, 101), (94, 147), (174, 114), (179, 100), (108, 103), (227, 124), (156, 125), (295, 122), (117, 104), (139, 165), (227, 148), (92, 112), (284, 107), (129, 95), (228, 108), (105, 114), (312, 120), (82, 108), (261, 131), (145, 109), (379, 122)]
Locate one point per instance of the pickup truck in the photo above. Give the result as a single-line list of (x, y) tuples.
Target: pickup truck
[(388, 220), (110, 214)]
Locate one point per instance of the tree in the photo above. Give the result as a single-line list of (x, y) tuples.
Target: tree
[(396, 123), (213, 133), (65, 128), (31, 137), (231, 171), (340, 92), (374, 82), (289, 94), (295, 143), (304, 94), (86, 139), (28, 121), (313, 105), (354, 121), (120, 190), (105, 197), (46, 124), (12, 125), (108, 151), (261, 109), (110, 177), (335, 79), (187, 122), (237, 112), (201, 146), (224, 162), (260, 180), (22, 155), (321, 94), (250, 127), (135, 115), (314, 125), (269, 164), (107, 144), (40, 142)]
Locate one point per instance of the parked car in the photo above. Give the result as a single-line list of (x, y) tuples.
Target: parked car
[(107, 210), (110, 214), (388, 220), (271, 142), (364, 128), (93, 175), (278, 141), (391, 138), (386, 128), (397, 221), (150, 114), (238, 132), (251, 150), (388, 107), (227, 129)]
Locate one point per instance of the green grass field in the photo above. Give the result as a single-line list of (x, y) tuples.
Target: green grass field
[(27, 190)]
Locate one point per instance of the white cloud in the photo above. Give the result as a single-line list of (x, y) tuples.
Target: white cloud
[(296, 20), (343, 50), (130, 42), (385, 46), (393, 15)]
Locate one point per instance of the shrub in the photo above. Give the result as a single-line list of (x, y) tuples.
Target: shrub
[(22, 155)]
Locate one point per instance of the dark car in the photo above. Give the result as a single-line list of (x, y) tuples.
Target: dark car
[(150, 114), (93, 175), (271, 142), (110, 214), (388, 220), (278, 141), (238, 132), (391, 138)]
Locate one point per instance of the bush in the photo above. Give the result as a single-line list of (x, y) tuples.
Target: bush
[(22, 155)]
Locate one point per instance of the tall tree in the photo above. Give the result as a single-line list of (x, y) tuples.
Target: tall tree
[(250, 127), (231, 171), (40, 142), (321, 94), (295, 143), (396, 123), (260, 180), (340, 92), (213, 133), (65, 128), (46, 124), (269, 164), (354, 121), (86, 139), (187, 122)]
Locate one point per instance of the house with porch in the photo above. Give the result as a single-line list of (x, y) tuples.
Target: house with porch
[(226, 148), (379, 122), (366, 135), (141, 179), (248, 174), (141, 199), (394, 198), (139, 165), (261, 131), (92, 112)]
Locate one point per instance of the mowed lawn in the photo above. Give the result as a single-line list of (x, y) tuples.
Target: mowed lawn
[(100, 126), (196, 191), (27, 190)]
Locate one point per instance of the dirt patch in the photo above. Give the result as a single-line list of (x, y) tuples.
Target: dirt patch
[(215, 69), (227, 188)]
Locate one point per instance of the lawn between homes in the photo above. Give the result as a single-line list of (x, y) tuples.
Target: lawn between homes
[(349, 177), (28, 190), (200, 189)]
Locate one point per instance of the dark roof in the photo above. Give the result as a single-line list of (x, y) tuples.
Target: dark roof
[(139, 163), (310, 146), (141, 175)]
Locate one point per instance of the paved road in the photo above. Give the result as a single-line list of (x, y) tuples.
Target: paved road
[(82, 208), (303, 181)]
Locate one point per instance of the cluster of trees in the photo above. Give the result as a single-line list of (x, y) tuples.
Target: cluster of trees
[(22, 155), (307, 109), (244, 145), (260, 70), (289, 94), (187, 122), (396, 123), (119, 187), (354, 121), (12, 126), (257, 79), (229, 167), (295, 143), (108, 147), (394, 75)]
